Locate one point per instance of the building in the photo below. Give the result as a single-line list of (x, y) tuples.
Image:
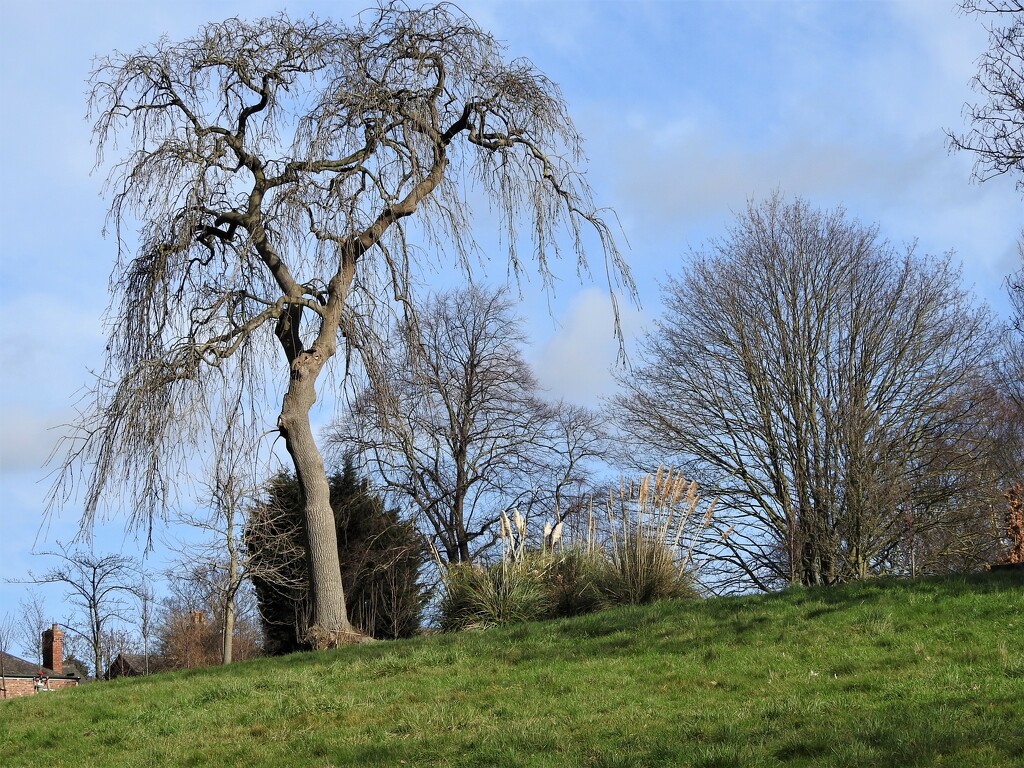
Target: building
[(138, 664), (23, 678)]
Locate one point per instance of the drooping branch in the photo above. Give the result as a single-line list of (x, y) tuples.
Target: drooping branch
[(293, 180)]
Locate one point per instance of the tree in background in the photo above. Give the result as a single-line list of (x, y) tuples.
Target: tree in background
[(189, 640), (189, 626), (273, 168), (99, 588), (1016, 288), (460, 433), (996, 135), (996, 139), (144, 616), (273, 538), (32, 621), (382, 560), (832, 392), (229, 493)]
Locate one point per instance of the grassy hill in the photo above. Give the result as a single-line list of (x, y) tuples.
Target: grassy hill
[(876, 674)]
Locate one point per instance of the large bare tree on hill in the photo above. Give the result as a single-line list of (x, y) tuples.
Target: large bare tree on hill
[(277, 170), (833, 392)]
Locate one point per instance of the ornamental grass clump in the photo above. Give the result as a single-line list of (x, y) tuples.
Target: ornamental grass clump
[(573, 582), (510, 591), (639, 550), (653, 527), (476, 596)]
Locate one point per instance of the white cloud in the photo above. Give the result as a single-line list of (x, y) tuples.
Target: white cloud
[(576, 362)]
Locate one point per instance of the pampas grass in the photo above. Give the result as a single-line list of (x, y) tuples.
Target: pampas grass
[(643, 552), (477, 597), (653, 526)]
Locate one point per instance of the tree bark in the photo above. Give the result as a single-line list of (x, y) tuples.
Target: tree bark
[(227, 647), (228, 640), (329, 623)]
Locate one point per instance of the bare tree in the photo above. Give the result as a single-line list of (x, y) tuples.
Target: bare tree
[(274, 167), (996, 136), (459, 432), (1015, 283), (1012, 368), (7, 624), (229, 494), (146, 597), (98, 589), (190, 625), (569, 453), (33, 620), (833, 392)]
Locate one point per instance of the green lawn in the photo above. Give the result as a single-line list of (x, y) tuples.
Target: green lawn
[(877, 674)]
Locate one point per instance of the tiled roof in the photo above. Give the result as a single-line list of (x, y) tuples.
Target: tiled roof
[(135, 663), (15, 667)]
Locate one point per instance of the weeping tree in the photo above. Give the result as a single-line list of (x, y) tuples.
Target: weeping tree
[(290, 180)]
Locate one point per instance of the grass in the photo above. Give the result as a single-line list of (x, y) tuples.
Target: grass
[(927, 673)]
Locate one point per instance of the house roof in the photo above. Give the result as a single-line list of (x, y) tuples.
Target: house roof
[(15, 667), (135, 663)]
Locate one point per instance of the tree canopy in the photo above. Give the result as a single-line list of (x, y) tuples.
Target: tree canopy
[(834, 392)]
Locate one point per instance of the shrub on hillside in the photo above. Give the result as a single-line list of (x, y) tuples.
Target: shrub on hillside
[(640, 568), (644, 554), (476, 597), (381, 558), (573, 582)]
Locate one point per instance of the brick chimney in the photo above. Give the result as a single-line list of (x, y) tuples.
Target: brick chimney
[(53, 649)]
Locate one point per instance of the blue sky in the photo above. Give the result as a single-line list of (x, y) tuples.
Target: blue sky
[(689, 109)]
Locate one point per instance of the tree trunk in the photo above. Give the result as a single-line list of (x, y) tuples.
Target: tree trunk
[(229, 632), (329, 623), (228, 639), (97, 649)]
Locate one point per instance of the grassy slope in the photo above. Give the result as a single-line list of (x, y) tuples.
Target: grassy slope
[(877, 674)]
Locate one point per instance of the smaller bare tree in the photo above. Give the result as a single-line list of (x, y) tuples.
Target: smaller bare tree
[(146, 596), (32, 622), (98, 588), (189, 624), (6, 638), (230, 491), (459, 432)]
